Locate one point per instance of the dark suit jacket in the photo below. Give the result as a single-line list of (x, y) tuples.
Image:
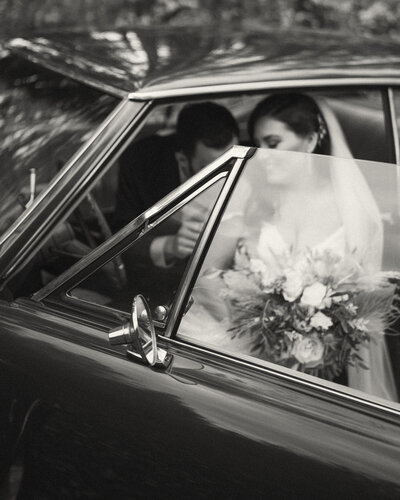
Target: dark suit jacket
[(148, 172)]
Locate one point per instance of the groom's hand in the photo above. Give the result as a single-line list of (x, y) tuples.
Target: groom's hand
[(181, 244)]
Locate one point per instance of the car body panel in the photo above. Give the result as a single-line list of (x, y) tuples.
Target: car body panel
[(181, 423), (161, 60)]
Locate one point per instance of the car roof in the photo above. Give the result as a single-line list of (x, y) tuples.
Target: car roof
[(162, 61)]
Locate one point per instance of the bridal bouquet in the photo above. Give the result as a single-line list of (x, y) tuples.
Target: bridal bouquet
[(310, 313)]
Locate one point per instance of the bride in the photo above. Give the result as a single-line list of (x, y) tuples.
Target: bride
[(306, 204)]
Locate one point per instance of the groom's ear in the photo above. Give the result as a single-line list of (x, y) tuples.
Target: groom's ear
[(183, 163), (312, 141)]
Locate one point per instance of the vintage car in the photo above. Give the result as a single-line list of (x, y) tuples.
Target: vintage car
[(108, 391)]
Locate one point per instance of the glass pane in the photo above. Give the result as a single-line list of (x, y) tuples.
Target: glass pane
[(44, 119), (396, 97), (304, 270), (361, 116), (154, 263)]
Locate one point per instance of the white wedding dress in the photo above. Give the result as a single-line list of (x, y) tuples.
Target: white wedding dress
[(270, 246)]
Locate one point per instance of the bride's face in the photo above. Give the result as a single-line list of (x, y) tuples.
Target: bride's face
[(273, 134), (283, 169)]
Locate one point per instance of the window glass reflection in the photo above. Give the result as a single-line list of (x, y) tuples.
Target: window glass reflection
[(44, 119)]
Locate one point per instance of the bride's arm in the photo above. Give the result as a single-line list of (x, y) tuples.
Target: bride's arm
[(231, 228), (209, 286), (221, 254)]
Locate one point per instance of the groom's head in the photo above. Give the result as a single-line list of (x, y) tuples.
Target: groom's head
[(205, 130)]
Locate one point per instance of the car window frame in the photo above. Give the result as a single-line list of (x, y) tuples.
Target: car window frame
[(58, 289), (56, 293), (394, 117), (49, 297)]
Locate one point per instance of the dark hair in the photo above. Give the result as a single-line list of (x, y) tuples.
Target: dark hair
[(207, 122), (299, 112)]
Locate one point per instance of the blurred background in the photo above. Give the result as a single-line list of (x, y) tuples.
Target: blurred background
[(367, 17)]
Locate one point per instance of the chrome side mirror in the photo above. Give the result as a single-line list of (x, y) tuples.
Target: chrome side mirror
[(140, 336)]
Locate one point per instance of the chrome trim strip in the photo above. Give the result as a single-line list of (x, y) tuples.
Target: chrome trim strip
[(392, 111), (183, 202), (147, 227), (291, 376), (395, 131), (147, 94)]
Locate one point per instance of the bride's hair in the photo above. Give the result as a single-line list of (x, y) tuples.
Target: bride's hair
[(299, 112)]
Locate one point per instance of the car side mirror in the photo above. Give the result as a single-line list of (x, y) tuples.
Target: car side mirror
[(140, 336)]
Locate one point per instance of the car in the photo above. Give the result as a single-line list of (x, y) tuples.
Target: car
[(108, 391)]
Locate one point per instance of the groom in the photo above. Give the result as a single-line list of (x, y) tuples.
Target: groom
[(154, 166)]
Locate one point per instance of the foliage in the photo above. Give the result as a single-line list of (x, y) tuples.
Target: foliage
[(380, 17)]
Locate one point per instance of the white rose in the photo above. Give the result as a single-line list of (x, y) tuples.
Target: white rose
[(321, 320), (314, 294), (257, 266), (309, 351), (266, 274), (293, 285)]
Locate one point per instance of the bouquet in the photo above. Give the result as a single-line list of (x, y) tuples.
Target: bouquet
[(312, 312)]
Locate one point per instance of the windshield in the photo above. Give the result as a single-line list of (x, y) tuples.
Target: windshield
[(44, 119)]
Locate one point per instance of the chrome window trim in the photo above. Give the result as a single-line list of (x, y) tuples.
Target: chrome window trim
[(392, 111), (106, 251), (178, 206), (199, 252), (395, 132), (292, 376), (148, 94), (146, 228)]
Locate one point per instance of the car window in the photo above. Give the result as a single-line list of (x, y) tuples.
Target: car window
[(360, 113), (154, 264), (396, 98), (303, 271), (105, 210), (44, 119)]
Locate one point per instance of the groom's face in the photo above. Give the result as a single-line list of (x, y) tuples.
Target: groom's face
[(201, 156)]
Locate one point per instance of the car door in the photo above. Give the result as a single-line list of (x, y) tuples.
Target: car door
[(56, 406), (211, 423)]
